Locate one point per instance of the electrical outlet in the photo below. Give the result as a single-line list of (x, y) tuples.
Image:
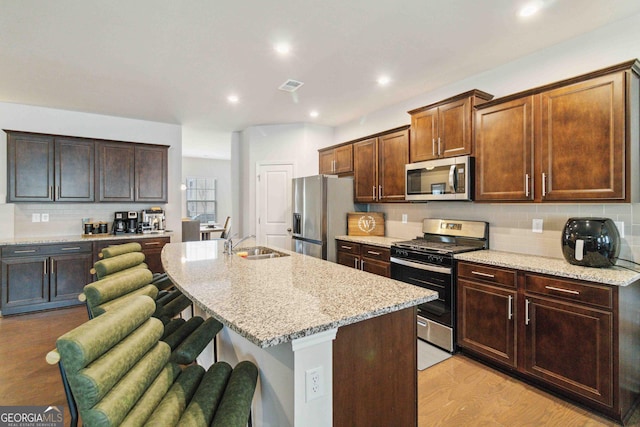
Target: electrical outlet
[(536, 226), (45, 217), (35, 217), (620, 226), (314, 383), (404, 218)]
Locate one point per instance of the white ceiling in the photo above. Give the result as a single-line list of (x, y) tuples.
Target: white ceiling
[(176, 61)]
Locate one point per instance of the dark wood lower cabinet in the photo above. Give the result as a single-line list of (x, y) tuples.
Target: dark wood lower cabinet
[(579, 339), (369, 258), (25, 283), (69, 275), (375, 372), (151, 247)]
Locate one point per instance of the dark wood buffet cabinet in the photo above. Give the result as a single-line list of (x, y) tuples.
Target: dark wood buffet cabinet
[(577, 338), (46, 276), (55, 168)]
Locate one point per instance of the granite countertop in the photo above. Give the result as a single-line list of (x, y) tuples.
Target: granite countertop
[(616, 275), (40, 240), (276, 300), (382, 241)]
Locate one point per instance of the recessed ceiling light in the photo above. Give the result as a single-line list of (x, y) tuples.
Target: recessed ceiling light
[(282, 48), (233, 99), (530, 9), (383, 80), (314, 114)]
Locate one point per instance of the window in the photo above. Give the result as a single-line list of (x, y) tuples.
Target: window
[(201, 199)]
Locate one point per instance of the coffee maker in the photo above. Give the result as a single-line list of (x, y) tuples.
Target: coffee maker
[(125, 222), (153, 220)]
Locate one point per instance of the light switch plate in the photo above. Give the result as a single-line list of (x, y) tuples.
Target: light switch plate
[(536, 226), (404, 218), (35, 217), (45, 217), (620, 226)]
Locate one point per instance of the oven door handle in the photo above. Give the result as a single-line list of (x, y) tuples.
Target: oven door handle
[(435, 269)]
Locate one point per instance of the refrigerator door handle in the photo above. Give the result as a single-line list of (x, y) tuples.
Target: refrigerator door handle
[(297, 224)]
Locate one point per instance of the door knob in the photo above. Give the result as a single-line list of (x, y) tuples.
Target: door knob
[(289, 230)]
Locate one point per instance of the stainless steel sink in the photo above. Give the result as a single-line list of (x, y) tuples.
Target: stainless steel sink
[(258, 252)]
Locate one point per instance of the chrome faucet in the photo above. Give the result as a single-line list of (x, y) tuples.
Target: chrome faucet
[(229, 245)]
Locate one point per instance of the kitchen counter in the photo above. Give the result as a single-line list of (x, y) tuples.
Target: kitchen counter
[(296, 315), (616, 276), (277, 300), (78, 238), (382, 241)]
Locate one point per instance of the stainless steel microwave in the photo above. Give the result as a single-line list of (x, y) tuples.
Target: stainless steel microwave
[(443, 179)]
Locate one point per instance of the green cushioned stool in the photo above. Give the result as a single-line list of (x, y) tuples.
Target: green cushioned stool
[(121, 374)]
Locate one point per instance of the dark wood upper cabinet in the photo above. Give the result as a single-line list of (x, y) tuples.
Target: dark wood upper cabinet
[(569, 141), (132, 172), (47, 168), (445, 128), (74, 170), (151, 173), (116, 165), (378, 167)]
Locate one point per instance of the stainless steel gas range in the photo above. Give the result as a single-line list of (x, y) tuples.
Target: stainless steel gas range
[(428, 262)]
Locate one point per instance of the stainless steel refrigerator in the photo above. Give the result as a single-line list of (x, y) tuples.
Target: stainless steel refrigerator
[(320, 207)]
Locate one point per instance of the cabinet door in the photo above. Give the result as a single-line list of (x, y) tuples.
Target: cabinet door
[(69, 274), (326, 162), (343, 159), (504, 151), (348, 259), (583, 140), (365, 169), (569, 346), (74, 170), (29, 168), (376, 267), (150, 174), (486, 321), (424, 135), (454, 128), (393, 155), (115, 171), (25, 282)]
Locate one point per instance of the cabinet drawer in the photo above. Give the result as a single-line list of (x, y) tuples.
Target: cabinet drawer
[(67, 248), (348, 247), (495, 275), (21, 250), (570, 290), (375, 252), (153, 243)]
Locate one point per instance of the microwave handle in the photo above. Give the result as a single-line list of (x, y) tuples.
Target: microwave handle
[(452, 179)]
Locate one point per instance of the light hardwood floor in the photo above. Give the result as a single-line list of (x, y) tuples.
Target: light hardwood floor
[(456, 392)]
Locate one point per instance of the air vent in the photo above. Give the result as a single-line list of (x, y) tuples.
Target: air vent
[(290, 85)]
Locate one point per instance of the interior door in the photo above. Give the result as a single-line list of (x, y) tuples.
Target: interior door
[(274, 205)]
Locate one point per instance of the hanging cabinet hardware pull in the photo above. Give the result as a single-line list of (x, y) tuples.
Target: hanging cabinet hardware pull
[(526, 185), (44, 266), (373, 253), (544, 184), (58, 192), (478, 273), (568, 291), (53, 268), (29, 251), (131, 192), (355, 263), (50, 192), (361, 264), (526, 313), (74, 248), (380, 191), (151, 243), (433, 147), (346, 247), (374, 192), (438, 146), (510, 308)]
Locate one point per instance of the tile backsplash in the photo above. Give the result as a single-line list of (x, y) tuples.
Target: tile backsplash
[(510, 225), (65, 219)]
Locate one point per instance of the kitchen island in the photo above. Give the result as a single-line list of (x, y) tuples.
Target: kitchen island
[(334, 345)]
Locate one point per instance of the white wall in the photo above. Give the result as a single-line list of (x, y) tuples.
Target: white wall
[(65, 219), (510, 224), (210, 168), (297, 144)]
